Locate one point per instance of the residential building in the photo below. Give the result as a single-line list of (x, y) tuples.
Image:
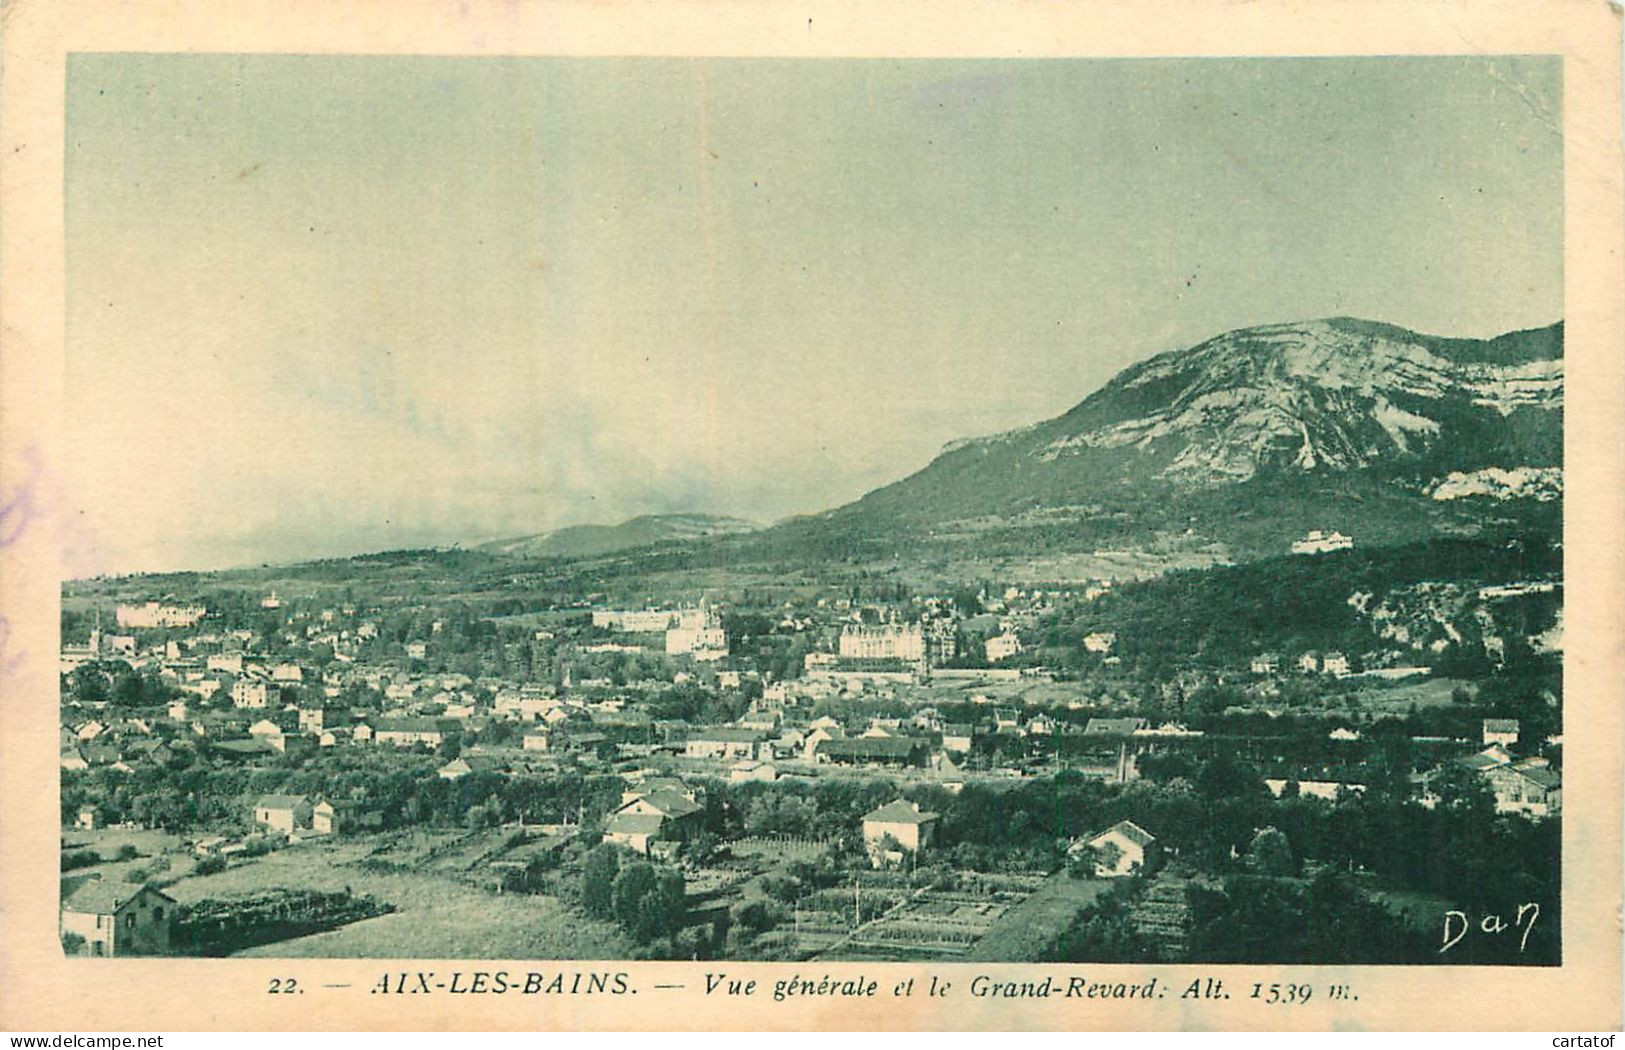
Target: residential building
[(118, 918), (1530, 787), (941, 641), (323, 818), (636, 831), (337, 818), (651, 785), (253, 694), (876, 751), (890, 641), (1501, 731), (895, 830), (656, 816), (322, 718), (463, 765), (1002, 646), (683, 641), (693, 632), (958, 736), (265, 727), (158, 615), (811, 741), (285, 813), (229, 663), (1125, 848), (407, 732), (1494, 755), (725, 743), (751, 770)]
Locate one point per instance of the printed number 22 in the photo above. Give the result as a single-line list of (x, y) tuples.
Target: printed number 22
[(283, 986)]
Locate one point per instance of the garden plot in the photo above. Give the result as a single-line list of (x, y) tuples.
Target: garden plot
[(781, 850), (933, 924)]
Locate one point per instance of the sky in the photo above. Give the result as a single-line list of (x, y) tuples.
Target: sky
[(323, 305)]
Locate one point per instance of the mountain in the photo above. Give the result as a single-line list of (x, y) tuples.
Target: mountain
[(1323, 396), (1258, 433), (579, 541), (1226, 452)]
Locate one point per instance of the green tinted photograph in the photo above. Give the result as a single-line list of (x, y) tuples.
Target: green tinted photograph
[(802, 510)]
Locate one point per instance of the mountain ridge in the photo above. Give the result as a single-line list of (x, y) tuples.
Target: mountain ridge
[(640, 531), (1336, 394), (1228, 449)]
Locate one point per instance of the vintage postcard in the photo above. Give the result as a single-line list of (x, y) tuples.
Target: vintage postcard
[(765, 516)]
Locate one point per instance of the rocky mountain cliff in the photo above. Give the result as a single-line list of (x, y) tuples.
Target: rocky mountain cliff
[(1275, 404)]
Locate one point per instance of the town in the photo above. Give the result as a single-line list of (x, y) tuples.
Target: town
[(351, 761)]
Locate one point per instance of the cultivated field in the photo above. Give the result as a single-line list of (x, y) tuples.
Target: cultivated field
[(436, 916), (1424, 693)]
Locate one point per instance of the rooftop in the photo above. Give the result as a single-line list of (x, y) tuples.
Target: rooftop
[(899, 812), (1129, 830), (872, 746), (281, 801), (634, 824), (104, 897)]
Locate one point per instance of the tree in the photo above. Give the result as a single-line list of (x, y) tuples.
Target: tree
[(598, 876), (88, 683), (1224, 776), (634, 882), (1465, 791), (129, 690), (1271, 853), (702, 848), (649, 902), (1093, 861), (885, 847)]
